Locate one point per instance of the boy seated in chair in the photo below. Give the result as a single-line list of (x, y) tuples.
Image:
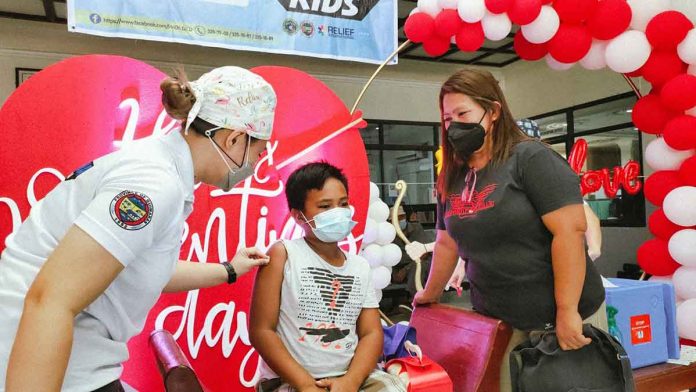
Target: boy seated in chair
[(314, 315)]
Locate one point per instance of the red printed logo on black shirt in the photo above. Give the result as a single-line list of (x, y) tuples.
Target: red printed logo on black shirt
[(478, 202)]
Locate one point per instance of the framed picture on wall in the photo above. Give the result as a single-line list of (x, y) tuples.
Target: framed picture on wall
[(22, 74)]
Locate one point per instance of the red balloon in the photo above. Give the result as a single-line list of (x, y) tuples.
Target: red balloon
[(498, 6), (662, 66), (470, 37), (659, 184), (570, 44), (654, 258), (609, 19), (666, 30), (527, 50), (524, 12), (679, 93), (574, 11), (419, 27), (680, 132), (447, 23), (660, 226), (650, 115), (635, 74), (436, 45), (687, 171)]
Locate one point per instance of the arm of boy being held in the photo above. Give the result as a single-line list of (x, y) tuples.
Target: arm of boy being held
[(265, 307), (367, 353)]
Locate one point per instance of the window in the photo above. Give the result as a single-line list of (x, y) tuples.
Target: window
[(612, 141), (404, 151)]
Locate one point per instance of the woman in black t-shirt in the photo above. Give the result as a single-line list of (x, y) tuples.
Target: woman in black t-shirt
[(512, 207)]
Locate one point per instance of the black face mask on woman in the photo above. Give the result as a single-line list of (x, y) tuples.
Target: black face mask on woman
[(466, 138)]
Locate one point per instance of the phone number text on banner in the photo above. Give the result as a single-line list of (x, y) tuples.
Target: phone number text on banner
[(357, 30)]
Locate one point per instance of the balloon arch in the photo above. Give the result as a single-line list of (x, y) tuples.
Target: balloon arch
[(636, 38)]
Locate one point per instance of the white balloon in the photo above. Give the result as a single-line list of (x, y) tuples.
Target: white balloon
[(543, 28), (644, 10), (496, 26), (679, 206), (686, 319), (391, 255), (471, 11), (661, 279), (687, 48), (381, 277), (430, 7), (660, 156), (370, 233), (379, 211), (374, 192), (682, 247), (557, 65), (385, 233), (685, 282), (378, 296), (628, 52), (414, 11), (595, 58), (373, 254), (448, 4)]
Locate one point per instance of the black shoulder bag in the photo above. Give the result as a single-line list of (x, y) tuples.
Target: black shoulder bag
[(539, 365)]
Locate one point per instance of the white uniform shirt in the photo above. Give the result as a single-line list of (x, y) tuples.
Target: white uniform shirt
[(133, 202), (319, 309)]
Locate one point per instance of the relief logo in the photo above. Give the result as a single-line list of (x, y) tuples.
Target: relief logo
[(347, 9)]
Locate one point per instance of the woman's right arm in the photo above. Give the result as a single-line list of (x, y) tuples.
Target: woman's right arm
[(444, 261), (75, 274), (265, 307)]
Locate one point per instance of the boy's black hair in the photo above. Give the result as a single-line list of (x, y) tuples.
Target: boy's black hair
[(310, 176)]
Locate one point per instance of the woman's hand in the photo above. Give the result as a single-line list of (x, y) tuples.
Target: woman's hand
[(569, 330), (248, 258), (339, 384), (423, 298)]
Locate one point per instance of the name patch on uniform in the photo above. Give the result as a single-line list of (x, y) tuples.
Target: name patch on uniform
[(131, 210)]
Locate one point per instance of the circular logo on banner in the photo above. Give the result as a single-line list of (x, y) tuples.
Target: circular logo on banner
[(307, 28), (131, 210), (290, 26)]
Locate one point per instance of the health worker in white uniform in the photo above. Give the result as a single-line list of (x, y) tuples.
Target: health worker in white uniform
[(79, 276)]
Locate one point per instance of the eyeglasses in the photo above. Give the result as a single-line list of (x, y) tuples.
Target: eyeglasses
[(469, 185)]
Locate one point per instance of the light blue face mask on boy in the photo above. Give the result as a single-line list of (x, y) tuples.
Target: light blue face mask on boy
[(332, 225)]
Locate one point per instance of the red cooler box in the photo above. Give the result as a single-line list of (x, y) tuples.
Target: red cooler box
[(642, 316)]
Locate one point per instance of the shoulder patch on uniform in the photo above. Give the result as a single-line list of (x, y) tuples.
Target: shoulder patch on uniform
[(131, 210)]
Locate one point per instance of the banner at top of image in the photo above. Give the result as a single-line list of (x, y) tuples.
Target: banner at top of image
[(357, 30)]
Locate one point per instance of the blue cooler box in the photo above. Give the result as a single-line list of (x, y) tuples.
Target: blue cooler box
[(642, 316)]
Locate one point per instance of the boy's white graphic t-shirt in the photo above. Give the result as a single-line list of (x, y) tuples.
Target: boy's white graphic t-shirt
[(319, 309)]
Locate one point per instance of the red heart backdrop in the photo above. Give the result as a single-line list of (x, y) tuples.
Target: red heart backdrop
[(85, 107)]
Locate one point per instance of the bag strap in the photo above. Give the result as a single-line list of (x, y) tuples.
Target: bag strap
[(515, 368), (621, 355)]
